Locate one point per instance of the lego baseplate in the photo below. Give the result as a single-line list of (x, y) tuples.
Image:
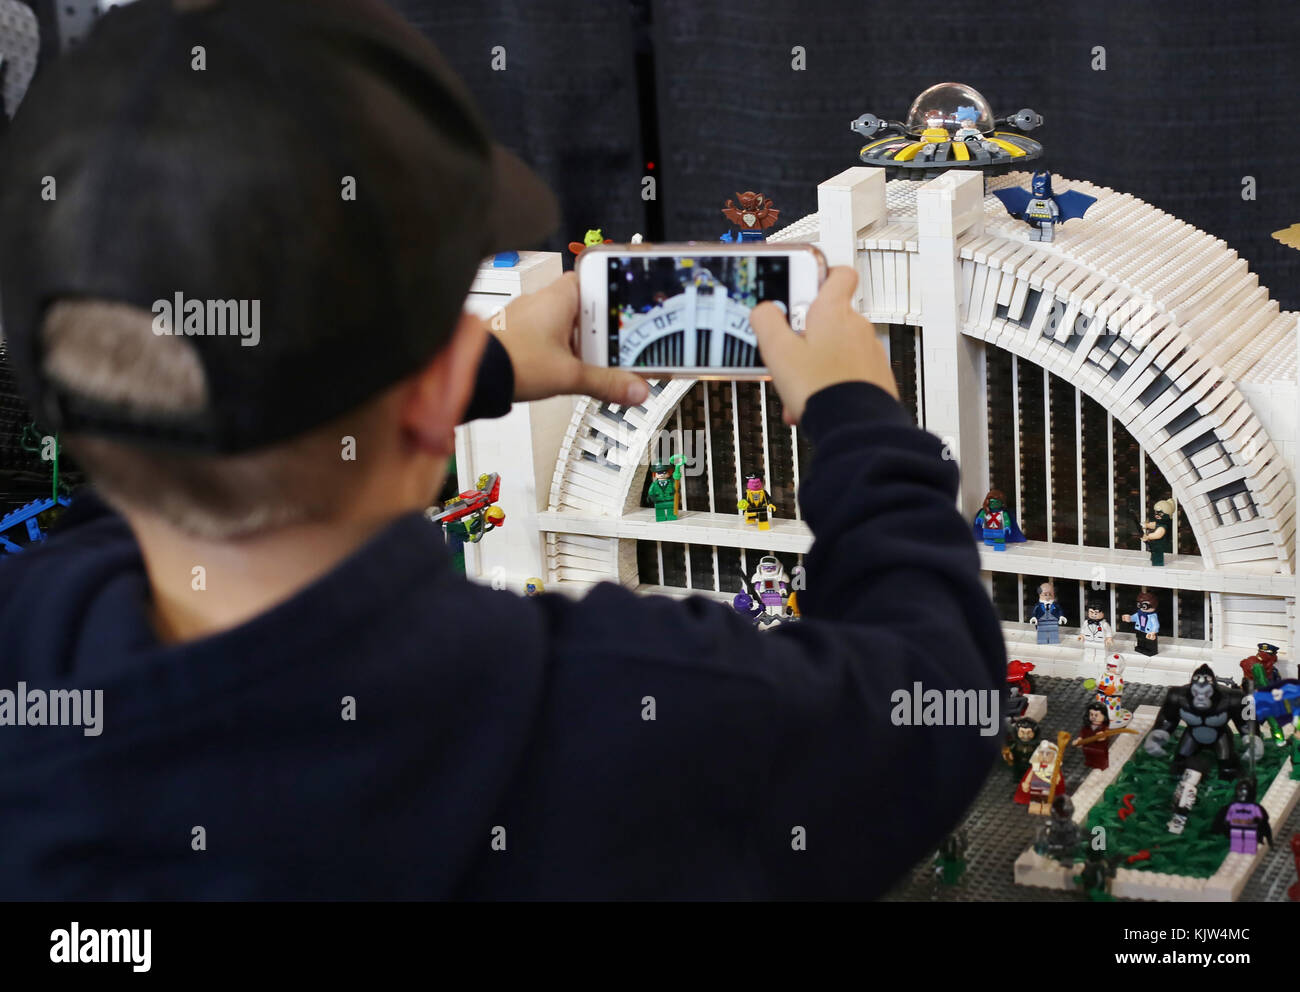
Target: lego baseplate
[(1225, 885), (1000, 830)]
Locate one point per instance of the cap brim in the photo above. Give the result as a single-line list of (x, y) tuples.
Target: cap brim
[(524, 211)]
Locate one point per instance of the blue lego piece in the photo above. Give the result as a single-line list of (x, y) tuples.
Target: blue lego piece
[(26, 516), (1281, 707), (742, 237), (1042, 209), (505, 260)]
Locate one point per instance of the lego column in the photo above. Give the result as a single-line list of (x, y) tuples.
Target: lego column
[(522, 446), (847, 205), (955, 406)]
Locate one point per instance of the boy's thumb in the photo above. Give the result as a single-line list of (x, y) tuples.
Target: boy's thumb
[(614, 385), (775, 338)]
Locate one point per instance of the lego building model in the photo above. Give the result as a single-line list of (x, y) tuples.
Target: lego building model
[(1131, 365)]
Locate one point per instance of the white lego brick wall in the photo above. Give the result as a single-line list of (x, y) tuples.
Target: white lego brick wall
[(522, 446), (1276, 405)]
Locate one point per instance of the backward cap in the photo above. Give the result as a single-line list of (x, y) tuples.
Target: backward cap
[(227, 183)]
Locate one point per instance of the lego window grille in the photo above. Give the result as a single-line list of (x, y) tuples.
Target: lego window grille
[(675, 312)]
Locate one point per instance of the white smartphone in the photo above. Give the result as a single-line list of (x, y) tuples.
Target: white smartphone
[(683, 309)]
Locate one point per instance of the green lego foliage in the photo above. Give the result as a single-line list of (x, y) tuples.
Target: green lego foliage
[(1196, 852)]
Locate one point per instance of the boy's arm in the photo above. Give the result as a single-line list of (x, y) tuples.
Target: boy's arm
[(878, 741), (818, 743)]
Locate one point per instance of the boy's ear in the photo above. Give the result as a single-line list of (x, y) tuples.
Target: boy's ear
[(441, 391)]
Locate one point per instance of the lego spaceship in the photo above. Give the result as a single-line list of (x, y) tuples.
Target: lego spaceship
[(949, 126)]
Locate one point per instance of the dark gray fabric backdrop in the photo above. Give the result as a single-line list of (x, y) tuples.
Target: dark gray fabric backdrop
[(1194, 97)]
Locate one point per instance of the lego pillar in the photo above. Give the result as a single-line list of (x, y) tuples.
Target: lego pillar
[(847, 204), (522, 446), (955, 409)]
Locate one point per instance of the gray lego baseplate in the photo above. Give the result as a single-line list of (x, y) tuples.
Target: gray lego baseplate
[(999, 830)]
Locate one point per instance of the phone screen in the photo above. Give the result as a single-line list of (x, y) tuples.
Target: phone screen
[(690, 311)]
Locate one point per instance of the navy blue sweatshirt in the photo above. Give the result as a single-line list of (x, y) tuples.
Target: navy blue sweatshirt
[(501, 746)]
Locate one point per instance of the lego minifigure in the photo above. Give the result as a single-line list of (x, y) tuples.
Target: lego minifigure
[(1244, 820), (1157, 534), (1043, 782), (533, 587), (1016, 699), (1185, 793), (1047, 616), (994, 523), (1020, 745), (1266, 657), (1095, 878), (753, 213), (592, 237), (473, 528), (1146, 625), (1096, 749), (1276, 706), (1110, 693), (757, 506), (664, 491), (1097, 636), (1042, 209), (967, 119), (950, 861), (771, 587), (1208, 709), (1059, 836)]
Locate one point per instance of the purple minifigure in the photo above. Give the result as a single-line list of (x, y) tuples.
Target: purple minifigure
[(1244, 820)]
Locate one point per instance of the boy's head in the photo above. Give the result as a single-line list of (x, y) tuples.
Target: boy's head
[(238, 237)]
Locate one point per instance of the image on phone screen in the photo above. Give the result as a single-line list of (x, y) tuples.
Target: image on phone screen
[(686, 312)]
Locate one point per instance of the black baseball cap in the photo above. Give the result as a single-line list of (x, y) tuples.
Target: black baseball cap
[(316, 156)]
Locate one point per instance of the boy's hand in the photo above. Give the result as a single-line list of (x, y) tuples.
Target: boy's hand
[(839, 345), (538, 337)]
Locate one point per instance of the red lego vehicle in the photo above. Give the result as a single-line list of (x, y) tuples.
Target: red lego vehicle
[(483, 495)]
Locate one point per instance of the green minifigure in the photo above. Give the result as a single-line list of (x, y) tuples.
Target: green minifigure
[(1096, 876), (664, 490), (950, 862)]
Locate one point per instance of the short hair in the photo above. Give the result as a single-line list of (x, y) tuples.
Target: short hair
[(1047, 586), (107, 352)]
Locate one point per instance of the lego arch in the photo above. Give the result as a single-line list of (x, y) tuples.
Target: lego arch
[(1196, 426), (605, 450)]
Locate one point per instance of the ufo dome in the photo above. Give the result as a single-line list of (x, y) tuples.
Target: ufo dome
[(946, 105)]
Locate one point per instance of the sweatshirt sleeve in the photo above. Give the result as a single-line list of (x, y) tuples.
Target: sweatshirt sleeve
[(887, 717), (834, 752), (494, 387)]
